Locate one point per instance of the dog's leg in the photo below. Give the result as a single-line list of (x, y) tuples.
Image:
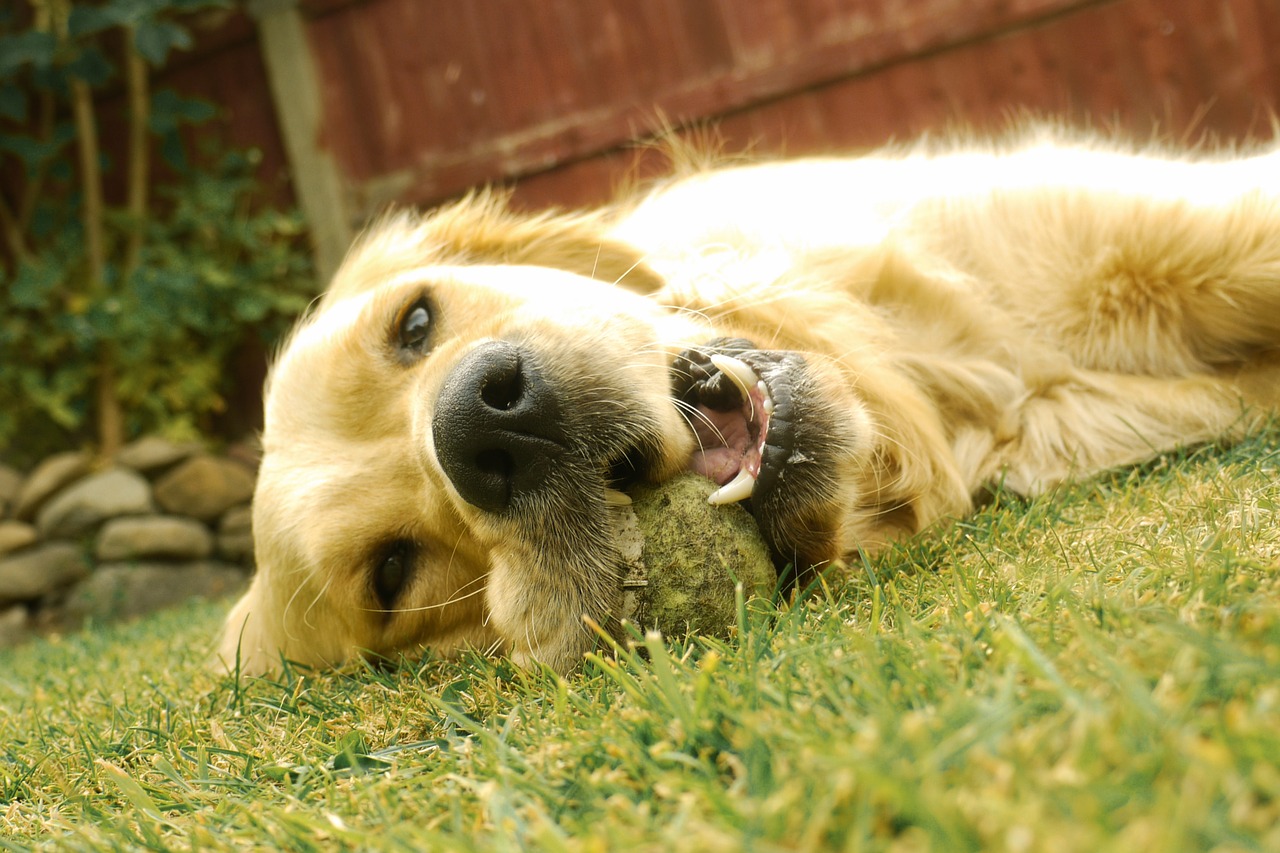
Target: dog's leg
[(1100, 421), (1129, 264), (1202, 295), (1258, 381)]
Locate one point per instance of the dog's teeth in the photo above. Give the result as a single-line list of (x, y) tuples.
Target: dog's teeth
[(613, 497), (737, 489), (737, 370), (766, 398)]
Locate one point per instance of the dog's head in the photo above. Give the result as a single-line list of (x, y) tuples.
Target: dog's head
[(446, 432), (443, 435)]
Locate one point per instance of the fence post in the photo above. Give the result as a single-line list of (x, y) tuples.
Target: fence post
[(295, 91)]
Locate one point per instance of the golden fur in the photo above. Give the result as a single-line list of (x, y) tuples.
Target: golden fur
[(941, 317)]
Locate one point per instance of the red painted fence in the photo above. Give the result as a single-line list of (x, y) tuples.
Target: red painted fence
[(416, 100), (422, 98)]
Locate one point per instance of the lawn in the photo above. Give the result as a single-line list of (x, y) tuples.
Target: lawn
[(1098, 669)]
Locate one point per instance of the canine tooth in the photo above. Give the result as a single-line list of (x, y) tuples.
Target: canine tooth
[(613, 497), (767, 405), (737, 370), (737, 489)]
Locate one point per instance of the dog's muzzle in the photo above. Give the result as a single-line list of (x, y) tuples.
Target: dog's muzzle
[(498, 426)]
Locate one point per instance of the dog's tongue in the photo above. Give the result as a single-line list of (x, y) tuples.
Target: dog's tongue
[(725, 441)]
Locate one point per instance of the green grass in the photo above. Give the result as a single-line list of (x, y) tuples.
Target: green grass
[(1095, 670)]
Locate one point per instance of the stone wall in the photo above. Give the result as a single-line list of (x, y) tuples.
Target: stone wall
[(157, 524)]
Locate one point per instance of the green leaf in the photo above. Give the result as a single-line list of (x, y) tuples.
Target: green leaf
[(353, 755), (91, 67), (87, 20), (252, 307), (34, 284), (154, 40), (193, 5), (29, 48), (173, 151), (32, 152), (13, 102), (81, 334), (169, 111)]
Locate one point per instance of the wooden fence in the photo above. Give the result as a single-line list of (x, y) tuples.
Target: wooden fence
[(358, 104), (374, 102)]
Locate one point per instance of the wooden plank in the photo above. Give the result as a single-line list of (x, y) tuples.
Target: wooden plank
[(608, 104), (293, 85), (1086, 67), (424, 98)]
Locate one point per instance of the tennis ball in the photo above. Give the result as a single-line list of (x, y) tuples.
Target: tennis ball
[(685, 557)]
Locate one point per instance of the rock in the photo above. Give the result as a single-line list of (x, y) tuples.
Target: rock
[(41, 570), (10, 484), (686, 557), (15, 535), (13, 626), (122, 590), (49, 476), (204, 487), (235, 534), (156, 536), (93, 500), (247, 452), (151, 453)]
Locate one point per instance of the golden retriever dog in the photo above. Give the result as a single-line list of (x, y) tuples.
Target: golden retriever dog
[(853, 348)]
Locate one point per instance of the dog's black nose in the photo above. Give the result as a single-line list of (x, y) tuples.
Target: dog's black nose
[(497, 426)]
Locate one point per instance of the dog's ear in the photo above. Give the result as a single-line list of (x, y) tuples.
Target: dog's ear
[(247, 646), (482, 229)]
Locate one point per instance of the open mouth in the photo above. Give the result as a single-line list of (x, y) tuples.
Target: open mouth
[(742, 421)]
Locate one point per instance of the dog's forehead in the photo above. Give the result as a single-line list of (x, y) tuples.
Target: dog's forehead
[(336, 376), (324, 507), (314, 493), (326, 329), (317, 336), (325, 455)]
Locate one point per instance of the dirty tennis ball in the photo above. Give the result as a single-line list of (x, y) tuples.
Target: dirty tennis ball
[(685, 556)]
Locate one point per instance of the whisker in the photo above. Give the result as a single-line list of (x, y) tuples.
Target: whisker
[(682, 407), (628, 270), (306, 615), (453, 599)]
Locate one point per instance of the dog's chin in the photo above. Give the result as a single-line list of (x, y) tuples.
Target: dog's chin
[(766, 437)]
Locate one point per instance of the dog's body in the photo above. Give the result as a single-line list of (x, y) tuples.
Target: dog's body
[(859, 345)]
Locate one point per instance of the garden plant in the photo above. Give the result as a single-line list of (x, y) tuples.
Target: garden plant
[(134, 265)]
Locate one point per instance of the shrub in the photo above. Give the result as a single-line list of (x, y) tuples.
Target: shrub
[(120, 319)]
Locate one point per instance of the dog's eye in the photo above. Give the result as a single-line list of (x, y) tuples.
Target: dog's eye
[(414, 326), (392, 571)]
